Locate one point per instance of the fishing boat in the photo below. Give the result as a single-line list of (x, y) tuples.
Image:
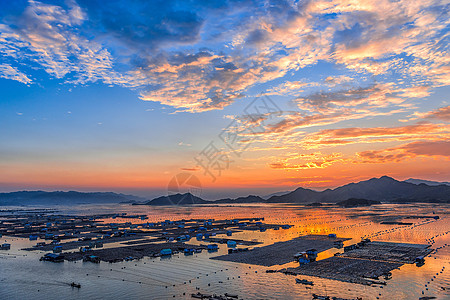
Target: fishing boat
[(320, 297), (75, 285), (304, 281)]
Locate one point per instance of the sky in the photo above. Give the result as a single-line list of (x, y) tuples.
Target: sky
[(243, 96)]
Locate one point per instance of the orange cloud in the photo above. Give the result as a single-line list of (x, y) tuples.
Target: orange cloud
[(319, 162), (442, 113), (408, 151), (354, 135), (355, 132)]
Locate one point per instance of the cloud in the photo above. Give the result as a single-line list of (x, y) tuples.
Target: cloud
[(319, 161), (358, 135), (200, 56), (338, 80), (442, 113), (407, 151), (184, 144), (12, 73), (357, 132), (373, 95), (290, 88), (191, 169)]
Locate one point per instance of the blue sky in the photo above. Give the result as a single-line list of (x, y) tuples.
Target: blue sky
[(125, 95)]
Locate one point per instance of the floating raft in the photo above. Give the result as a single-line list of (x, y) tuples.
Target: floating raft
[(282, 252), (365, 264)]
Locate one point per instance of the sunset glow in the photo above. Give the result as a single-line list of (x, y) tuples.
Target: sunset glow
[(286, 94)]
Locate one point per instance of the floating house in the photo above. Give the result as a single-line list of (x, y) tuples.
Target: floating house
[(300, 254), (303, 260), (332, 235), (286, 226), (312, 254), (229, 233), (52, 257), (212, 247), (5, 246), (33, 237), (181, 238), (92, 258), (420, 259), (350, 248), (188, 251), (338, 244), (57, 249), (231, 244), (165, 252)]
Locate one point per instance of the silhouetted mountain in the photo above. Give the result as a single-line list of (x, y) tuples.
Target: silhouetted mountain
[(63, 198), (248, 199), (275, 194), (300, 195), (176, 199), (427, 182), (384, 189), (354, 202)]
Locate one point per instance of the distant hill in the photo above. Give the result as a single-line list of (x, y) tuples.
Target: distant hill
[(189, 199), (353, 202), (385, 189), (248, 199), (176, 199), (275, 194), (63, 198), (427, 182), (300, 195)]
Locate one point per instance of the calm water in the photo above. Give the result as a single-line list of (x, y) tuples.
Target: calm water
[(23, 276)]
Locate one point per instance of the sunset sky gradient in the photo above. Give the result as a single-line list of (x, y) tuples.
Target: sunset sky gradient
[(124, 96)]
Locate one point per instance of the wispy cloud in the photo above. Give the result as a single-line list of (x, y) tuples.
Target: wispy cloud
[(12, 73), (407, 151), (442, 113)]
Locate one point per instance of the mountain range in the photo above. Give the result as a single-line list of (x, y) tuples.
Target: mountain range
[(64, 198), (427, 182), (384, 189)]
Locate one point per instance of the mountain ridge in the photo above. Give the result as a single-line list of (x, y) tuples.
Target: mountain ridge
[(383, 189)]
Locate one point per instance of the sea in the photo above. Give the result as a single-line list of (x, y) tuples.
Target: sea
[(23, 276)]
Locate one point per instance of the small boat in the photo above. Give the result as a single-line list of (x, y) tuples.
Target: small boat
[(200, 296), (304, 281), (320, 297), (75, 285), (231, 296)]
